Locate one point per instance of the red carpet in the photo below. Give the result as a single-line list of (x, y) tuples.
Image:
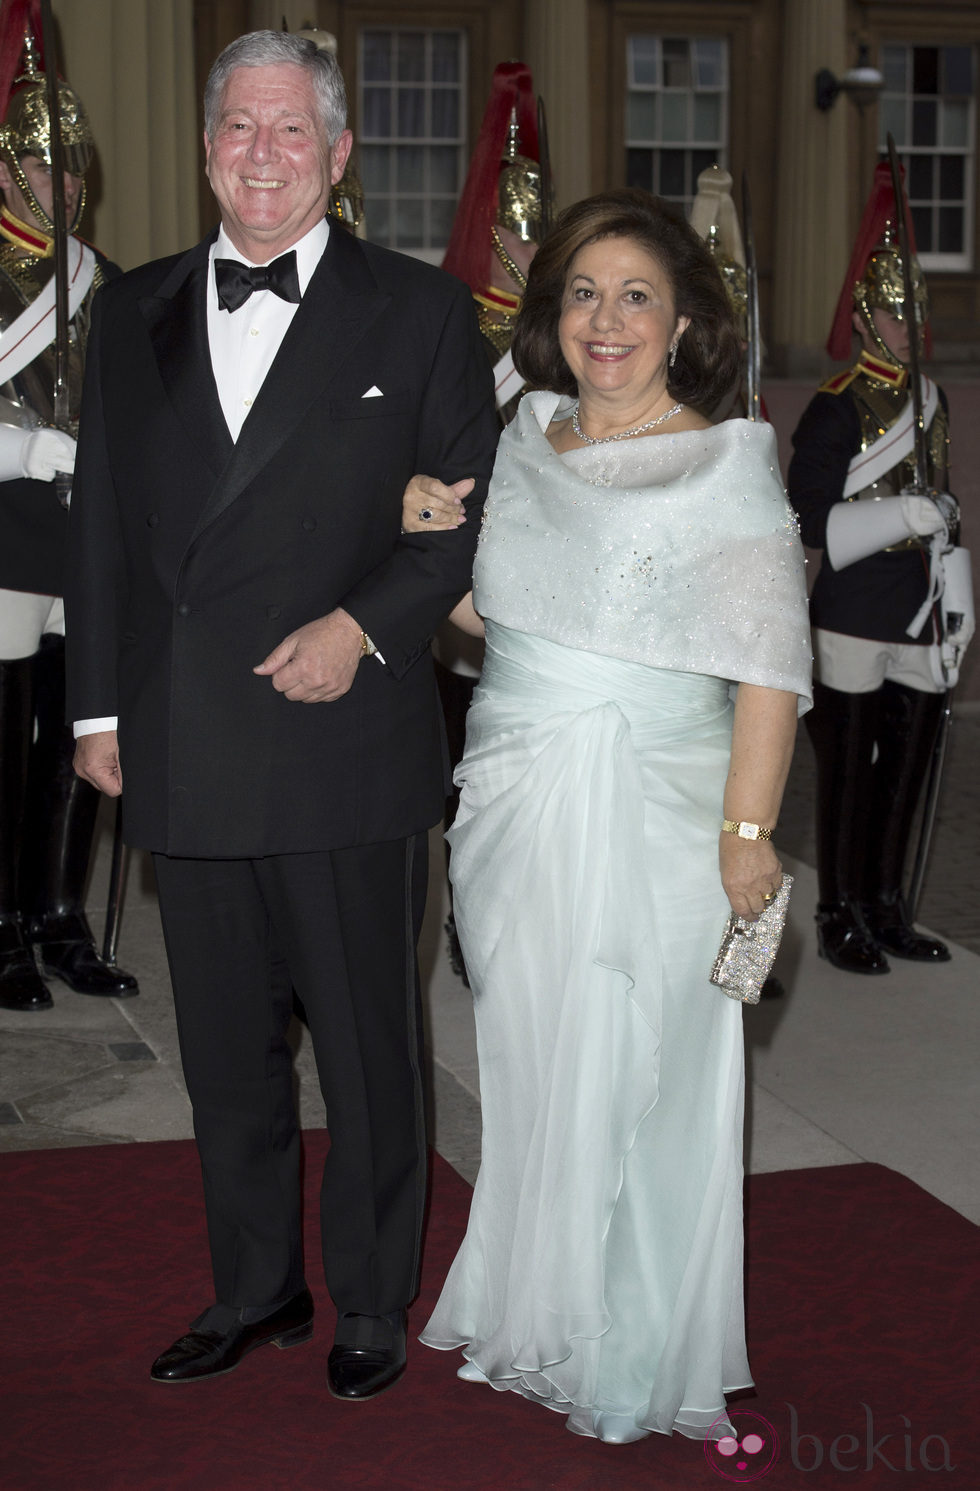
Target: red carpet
[(861, 1331)]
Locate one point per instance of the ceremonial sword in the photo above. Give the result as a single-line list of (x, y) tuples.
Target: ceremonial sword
[(919, 487), (753, 366)]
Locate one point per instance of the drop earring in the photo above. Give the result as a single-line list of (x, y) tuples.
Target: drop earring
[(673, 355)]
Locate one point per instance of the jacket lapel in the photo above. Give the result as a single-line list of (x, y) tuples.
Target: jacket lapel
[(341, 304), (176, 318)]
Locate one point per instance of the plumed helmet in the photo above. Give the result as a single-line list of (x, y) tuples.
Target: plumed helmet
[(503, 184), (519, 205), (874, 276), (26, 130), (881, 286)]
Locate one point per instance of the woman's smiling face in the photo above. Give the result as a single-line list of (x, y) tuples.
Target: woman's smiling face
[(618, 320)]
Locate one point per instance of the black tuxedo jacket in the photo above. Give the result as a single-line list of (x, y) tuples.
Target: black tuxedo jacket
[(191, 557)]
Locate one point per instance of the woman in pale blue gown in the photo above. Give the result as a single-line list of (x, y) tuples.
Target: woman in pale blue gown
[(638, 571)]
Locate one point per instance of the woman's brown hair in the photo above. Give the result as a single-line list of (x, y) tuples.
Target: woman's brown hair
[(709, 353)]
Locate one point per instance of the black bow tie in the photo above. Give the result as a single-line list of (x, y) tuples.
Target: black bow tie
[(236, 281)]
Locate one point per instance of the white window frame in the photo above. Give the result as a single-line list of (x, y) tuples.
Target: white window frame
[(935, 261), (431, 251), (717, 148)]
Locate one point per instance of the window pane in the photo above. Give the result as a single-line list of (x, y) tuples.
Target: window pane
[(376, 112), (955, 124), (957, 70), (677, 67), (891, 119), (672, 173), (373, 163), (709, 60), (922, 224), (641, 116), (410, 52), (444, 169), (411, 184), (924, 122), (445, 57), (950, 230), (379, 219), (673, 116), (925, 70), (376, 56), (411, 113), (408, 225), (951, 177), (409, 168), (441, 216), (893, 65), (920, 177), (938, 143), (643, 54), (707, 116), (639, 169), (683, 116), (700, 161), (445, 114)]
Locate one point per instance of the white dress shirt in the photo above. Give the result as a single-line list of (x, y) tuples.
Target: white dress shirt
[(244, 343), (243, 347)]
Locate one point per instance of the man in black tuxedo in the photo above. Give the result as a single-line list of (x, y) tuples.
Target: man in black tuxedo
[(243, 604)]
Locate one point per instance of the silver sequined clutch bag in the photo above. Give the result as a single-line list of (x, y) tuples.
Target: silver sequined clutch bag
[(748, 949)]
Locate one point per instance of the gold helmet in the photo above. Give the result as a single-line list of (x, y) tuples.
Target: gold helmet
[(874, 276), (519, 204), (714, 219), (881, 287), (27, 131), (504, 185)]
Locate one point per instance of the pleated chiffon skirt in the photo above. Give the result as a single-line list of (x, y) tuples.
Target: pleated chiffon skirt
[(601, 1271)]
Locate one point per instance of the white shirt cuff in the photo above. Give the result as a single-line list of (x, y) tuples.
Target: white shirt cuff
[(91, 727)]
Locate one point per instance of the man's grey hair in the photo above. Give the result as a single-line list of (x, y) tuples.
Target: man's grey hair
[(267, 49)]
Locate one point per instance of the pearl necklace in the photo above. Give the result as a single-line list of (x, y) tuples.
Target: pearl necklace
[(624, 434)]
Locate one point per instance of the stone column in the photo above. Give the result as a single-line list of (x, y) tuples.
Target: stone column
[(556, 50), (132, 62), (811, 241)]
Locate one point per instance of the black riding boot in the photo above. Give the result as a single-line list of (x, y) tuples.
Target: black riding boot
[(906, 738), (21, 986), (59, 826), (842, 728)]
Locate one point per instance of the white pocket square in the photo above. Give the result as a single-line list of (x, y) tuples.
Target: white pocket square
[(373, 392)]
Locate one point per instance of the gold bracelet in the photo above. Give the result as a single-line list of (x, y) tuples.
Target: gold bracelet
[(745, 830)]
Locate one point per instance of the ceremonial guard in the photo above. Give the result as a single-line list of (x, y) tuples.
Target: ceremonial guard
[(889, 609), (502, 214), (47, 814), (501, 218)]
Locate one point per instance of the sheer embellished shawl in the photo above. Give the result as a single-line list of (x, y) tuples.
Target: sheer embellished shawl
[(679, 551)]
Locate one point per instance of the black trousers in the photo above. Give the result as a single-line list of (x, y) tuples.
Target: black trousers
[(341, 927)]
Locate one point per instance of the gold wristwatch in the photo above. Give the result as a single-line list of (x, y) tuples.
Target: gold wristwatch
[(745, 830)]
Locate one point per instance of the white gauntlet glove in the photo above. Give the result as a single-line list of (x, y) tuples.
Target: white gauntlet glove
[(38, 454), (857, 529)]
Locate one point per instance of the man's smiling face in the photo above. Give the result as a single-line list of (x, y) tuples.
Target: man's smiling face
[(270, 163)]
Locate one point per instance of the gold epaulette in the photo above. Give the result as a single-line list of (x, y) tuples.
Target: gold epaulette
[(840, 381)]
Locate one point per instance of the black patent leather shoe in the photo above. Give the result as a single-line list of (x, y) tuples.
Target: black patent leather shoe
[(79, 966), (213, 1346), (368, 1354), (844, 940), (892, 929), (21, 986)]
